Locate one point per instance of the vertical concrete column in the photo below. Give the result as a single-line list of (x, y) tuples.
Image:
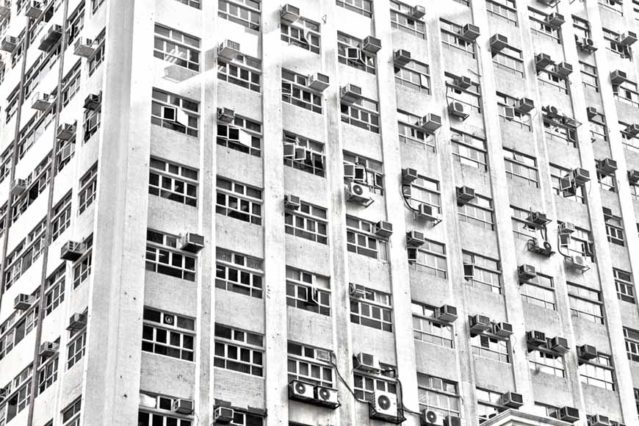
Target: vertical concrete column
[(273, 214), (116, 296), (391, 156)]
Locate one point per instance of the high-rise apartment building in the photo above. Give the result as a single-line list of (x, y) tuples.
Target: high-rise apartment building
[(344, 213)]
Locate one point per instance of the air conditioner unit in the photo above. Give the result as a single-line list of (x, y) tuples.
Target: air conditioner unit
[(581, 176), (359, 193), (633, 176), (401, 58), (33, 9), (301, 391), (559, 345), (371, 44), (627, 38), (427, 212), (469, 33), (366, 362), (578, 262), (592, 112), (503, 329), (538, 219), (431, 418), (19, 186), (412, 255), (192, 242), (509, 113), (462, 81), (512, 400), (225, 115), (223, 415), (607, 166), (524, 105), (72, 251), (464, 195), (570, 122), (587, 352), (50, 38), (479, 324), (22, 302), (535, 338), (65, 131), (350, 93), (632, 130), (383, 406), (183, 406), (326, 396), (430, 123), (414, 239), (228, 50), (353, 54), (526, 273), (555, 20), (551, 111), (9, 44), (446, 313), (617, 77), (409, 176), (84, 47), (598, 420), (383, 229), (567, 186), (586, 44), (292, 202), (77, 322), (542, 60), (92, 102), (458, 110), (566, 228), (318, 82), (48, 349), (563, 69), (498, 42), (42, 101), (289, 13), (417, 12), (568, 414), (469, 271)]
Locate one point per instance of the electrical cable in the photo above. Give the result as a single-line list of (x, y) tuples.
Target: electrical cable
[(344, 382)]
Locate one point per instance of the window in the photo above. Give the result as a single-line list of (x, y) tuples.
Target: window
[(244, 71), (539, 291), (309, 365), (37, 182), (427, 328), (488, 404), (589, 76), (547, 362), (363, 113), (581, 27), (54, 293), (175, 112), (486, 272), (363, 7), (15, 329), (612, 38), (439, 395), (402, 20), (163, 256), (193, 3), (350, 52), (431, 258), (598, 128), (308, 221), (504, 102), (244, 135), (511, 60), (579, 243), (243, 12), (549, 78), (409, 131), (239, 273), (76, 348), (470, 96), (478, 212), (295, 91), (607, 182), (632, 343), (98, 56), (173, 181), (556, 174), (71, 414), (625, 285), (70, 84), (365, 384), (539, 26), (303, 33), (176, 47), (613, 5), (520, 224), (308, 291), (239, 201), (361, 239), (246, 419), (627, 93), (521, 168), (61, 216), (91, 123), (372, 309), (598, 372), (239, 350), (367, 172), (25, 254), (168, 334), (614, 230), (157, 410), (88, 188), (490, 347), (452, 39), (585, 303), (503, 9), (414, 75), (423, 191), (82, 267), (469, 150), (303, 153)]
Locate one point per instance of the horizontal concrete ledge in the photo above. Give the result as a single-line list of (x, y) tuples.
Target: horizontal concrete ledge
[(519, 418)]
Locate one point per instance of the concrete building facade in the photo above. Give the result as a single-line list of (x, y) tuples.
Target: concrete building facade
[(348, 212)]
